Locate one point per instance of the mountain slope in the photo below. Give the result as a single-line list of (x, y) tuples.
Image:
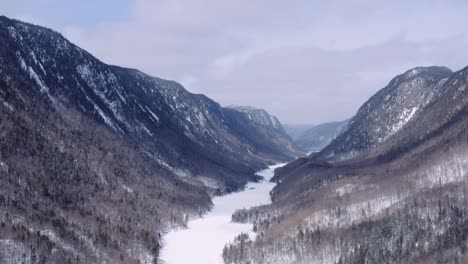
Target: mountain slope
[(161, 114), (273, 131), (295, 131), (403, 201), (316, 138), (97, 161), (260, 117), (385, 113)]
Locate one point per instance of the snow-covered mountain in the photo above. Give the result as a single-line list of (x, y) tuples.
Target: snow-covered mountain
[(92, 153), (260, 117), (272, 128), (388, 111), (162, 114), (401, 200)]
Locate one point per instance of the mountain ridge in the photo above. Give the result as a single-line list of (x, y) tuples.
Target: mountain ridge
[(99, 161), (316, 138), (387, 111), (380, 204)]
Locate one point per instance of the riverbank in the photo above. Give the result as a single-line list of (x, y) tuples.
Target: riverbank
[(204, 238)]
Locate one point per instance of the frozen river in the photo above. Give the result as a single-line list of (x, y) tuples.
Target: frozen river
[(204, 239)]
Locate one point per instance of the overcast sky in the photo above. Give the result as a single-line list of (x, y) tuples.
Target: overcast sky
[(304, 61)]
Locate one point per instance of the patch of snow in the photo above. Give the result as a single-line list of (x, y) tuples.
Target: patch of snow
[(345, 189), (7, 105), (127, 189), (54, 238), (413, 72), (209, 182), (341, 157), (273, 121), (98, 82), (33, 56), (106, 119), (38, 80), (21, 61), (15, 34), (33, 75), (146, 129), (156, 118), (201, 119), (404, 118), (141, 253)]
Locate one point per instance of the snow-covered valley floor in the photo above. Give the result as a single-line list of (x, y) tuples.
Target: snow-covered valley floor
[(204, 239)]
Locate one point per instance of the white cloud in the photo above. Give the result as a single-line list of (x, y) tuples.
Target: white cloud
[(305, 61)]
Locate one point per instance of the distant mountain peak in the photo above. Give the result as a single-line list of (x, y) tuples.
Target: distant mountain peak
[(432, 69), (259, 116), (243, 107), (421, 72), (317, 137)]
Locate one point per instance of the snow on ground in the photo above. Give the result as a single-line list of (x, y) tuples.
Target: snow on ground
[(204, 239)]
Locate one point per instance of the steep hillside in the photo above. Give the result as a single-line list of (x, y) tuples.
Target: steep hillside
[(385, 113), (97, 161), (296, 130), (316, 138), (402, 201), (260, 116), (273, 131)]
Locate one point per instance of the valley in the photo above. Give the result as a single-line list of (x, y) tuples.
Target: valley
[(390, 188), (105, 164), (98, 161), (214, 230)]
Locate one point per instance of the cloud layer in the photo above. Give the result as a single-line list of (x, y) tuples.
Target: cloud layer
[(304, 61)]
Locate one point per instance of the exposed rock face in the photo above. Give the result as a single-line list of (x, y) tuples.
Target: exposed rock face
[(96, 161)]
